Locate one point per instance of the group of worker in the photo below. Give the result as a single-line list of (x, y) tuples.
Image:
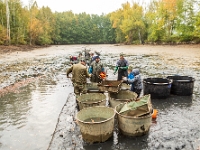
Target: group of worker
[(80, 72), (75, 59), (96, 73)]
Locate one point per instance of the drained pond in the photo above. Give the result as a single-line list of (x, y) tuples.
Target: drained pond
[(38, 107)]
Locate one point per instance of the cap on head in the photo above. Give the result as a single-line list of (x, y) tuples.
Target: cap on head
[(130, 67), (91, 52), (121, 54), (97, 57)]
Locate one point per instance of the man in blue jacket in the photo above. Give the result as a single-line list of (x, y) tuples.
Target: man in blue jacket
[(134, 78)]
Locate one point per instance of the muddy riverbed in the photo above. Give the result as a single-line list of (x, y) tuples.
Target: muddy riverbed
[(37, 104)]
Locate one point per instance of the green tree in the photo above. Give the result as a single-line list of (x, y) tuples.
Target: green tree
[(18, 22), (129, 23), (108, 32), (155, 23), (185, 22), (133, 24), (116, 18), (3, 35), (46, 17), (197, 28)]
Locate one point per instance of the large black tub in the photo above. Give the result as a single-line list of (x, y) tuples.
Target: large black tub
[(157, 87), (182, 85)]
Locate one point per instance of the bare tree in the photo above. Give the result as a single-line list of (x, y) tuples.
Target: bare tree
[(30, 11), (8, 22)]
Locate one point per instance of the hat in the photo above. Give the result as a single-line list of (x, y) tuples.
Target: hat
[(97, 57), (121, 54), (91, 52), (130, 67)]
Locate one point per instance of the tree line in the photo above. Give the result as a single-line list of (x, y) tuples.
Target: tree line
[(161, 21)]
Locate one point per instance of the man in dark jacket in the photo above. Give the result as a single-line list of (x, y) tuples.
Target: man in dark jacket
[(121, 67), (95, 69)]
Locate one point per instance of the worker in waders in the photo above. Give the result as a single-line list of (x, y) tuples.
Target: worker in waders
[(79, 75), (134, 79), (73, 59), (121, 67), (80, 57), (93, 56), (96, 68)]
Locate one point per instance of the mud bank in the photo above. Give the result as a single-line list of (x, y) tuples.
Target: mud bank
[(67, 134)]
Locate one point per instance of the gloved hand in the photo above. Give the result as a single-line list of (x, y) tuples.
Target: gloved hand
[(115, 70), (90, 70), (124, 68)]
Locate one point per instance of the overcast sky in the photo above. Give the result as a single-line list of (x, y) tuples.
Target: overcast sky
[(78, 6)]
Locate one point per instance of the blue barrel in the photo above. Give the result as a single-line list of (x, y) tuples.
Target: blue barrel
[(182, 85), (157, 87)]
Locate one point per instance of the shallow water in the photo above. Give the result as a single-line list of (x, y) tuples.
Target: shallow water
[(29, 115), (28, 118)]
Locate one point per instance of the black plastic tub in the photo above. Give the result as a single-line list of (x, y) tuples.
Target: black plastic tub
[(182, 85), (157, 87)]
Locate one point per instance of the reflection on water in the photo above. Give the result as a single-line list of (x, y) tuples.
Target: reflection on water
[(14, 109), (28, 118), (172, 101)]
